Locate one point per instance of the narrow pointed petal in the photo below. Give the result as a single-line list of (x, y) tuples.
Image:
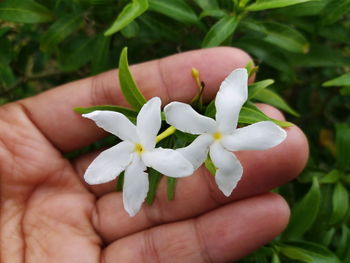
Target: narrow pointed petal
[(258, 136), (109, 164), (148, 123), (135, 186), (229, 169), (197, 151), (184, 118), (168, 162), (232, 94), (115, 123)]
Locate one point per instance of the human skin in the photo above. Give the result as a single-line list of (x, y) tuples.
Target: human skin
[(48, 213)]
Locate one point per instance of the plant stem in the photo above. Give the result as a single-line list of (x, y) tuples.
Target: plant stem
[(165, 133)]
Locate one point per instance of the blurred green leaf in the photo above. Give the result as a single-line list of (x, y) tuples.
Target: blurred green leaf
[(218, 13), (153, 179), (24, 11), (255, 87), (60, 30), (275, 258), (101, 57), (343, 145), (207, 4), (269, 4), (340, 204), (310, 8), (306, 209), (7, 78), (343, 80), (171, 183), (76, 54), (129, 13), (319, 56), (295, 253), (272, 98), (313, 252), (127, 84), (343, 243), (220, 31), (330, 178), (131, 30), (178, 10), (335, 10), (6, 51)]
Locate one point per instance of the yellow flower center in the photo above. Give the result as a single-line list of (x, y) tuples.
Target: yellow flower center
[(139, 149), (217, 136)]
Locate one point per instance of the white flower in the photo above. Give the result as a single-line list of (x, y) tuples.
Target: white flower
[(136, 152), (220, 136)]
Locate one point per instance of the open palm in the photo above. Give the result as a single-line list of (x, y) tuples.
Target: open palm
[(48, 214)]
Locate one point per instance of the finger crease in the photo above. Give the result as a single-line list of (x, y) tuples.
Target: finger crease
[(201, 241), (150, 247)]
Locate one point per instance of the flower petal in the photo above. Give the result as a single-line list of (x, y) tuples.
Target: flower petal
[(135, 186), (229, 169), (258, 136), (109, 164), (186, 119), (148, 123), (115, 123), (197, 151), (168, 162), (232, 94)]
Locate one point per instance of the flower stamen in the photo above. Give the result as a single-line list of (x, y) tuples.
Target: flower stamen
[(139, 149), (217, 136)]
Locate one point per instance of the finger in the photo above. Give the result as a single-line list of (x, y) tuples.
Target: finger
[(169, 78), (223, 235), (81, 163), (196, 194)]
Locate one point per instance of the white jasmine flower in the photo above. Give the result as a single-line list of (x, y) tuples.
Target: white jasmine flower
[(136, 152), (220, 136)]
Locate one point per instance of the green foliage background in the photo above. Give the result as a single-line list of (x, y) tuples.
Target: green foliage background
[(302, 44)]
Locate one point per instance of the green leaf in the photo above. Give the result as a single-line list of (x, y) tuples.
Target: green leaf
[(131, 30), (131, 114), (270, 4), (207, 4), (335, 10), (330, 178), (7, 78), (210, 166), (220, 31), (272, 98), (314, 252), (218, 13), (127, 15), (101, 58), (254, 88), (344, 242), (120, 182), (275, 258), (295, 253), (76, 54), (24, 11), (280, 35), (343, 80), (178, 10), (60, 30), (6, 51), (171, 183), (342, 142), (304, 212), (127, 84), (250, 114), (154, 179), (319, 56), (340, 202)]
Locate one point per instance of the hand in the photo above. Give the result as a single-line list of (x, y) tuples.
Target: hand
[(48, 213)]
